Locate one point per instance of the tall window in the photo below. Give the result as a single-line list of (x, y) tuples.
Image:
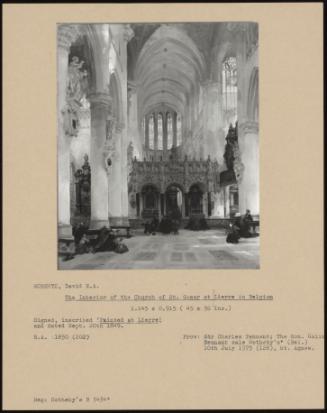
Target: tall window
[(151, 132), (160, 131), (229, 86), (179, 130), (169, 130)]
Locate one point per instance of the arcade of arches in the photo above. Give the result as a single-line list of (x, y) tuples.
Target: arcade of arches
[(153, 117)]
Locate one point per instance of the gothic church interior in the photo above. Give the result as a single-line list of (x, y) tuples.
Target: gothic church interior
[(155, 118)]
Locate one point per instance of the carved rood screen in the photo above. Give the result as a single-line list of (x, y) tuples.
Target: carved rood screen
[(183, 173)]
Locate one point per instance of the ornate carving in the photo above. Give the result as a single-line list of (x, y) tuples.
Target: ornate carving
[(77, 82), (238, 165), (231, 139), (110, 154), (130, 153), (66, 35), (251, 39), (232, 155), (182, 172), (75, 92), (248, 33), (132, 200), (110, 122)]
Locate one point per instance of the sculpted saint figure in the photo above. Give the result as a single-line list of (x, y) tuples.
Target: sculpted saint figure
[(76, 80)]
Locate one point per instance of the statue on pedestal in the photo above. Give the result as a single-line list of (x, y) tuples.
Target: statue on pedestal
[(75, 91)]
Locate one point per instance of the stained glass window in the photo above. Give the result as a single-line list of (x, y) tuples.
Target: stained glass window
[(151, 132), (229, 85), (160, 131), (169, 130)]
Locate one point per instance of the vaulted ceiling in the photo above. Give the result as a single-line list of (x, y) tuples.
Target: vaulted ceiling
[(167, 61)]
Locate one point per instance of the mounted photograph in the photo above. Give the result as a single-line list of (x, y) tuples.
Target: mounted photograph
[(158, 146)]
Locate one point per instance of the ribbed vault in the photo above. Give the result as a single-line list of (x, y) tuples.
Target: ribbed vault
[(168, 67)]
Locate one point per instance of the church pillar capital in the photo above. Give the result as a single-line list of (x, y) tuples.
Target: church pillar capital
[(67, 34), (100, 100)]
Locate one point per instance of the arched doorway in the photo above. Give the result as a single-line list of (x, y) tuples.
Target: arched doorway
[(150, 201), (195, 197), (174, 199)]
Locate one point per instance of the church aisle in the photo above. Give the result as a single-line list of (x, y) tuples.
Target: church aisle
[(187, 250)]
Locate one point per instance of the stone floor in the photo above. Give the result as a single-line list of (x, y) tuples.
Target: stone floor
[(188, 249)]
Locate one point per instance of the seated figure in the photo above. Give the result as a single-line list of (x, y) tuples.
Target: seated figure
[(105, 240), (246, 225), (151, 226), (108, 241), (234, 230), (78, 231), (241, 227), (83, 247)]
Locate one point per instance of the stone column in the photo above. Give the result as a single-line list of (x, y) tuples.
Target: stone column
[(174, 129), (122, 137), (115, 179), (117, 145), (249, 184), (213, 132), (66, 35), (133, 126), (99, 107)]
